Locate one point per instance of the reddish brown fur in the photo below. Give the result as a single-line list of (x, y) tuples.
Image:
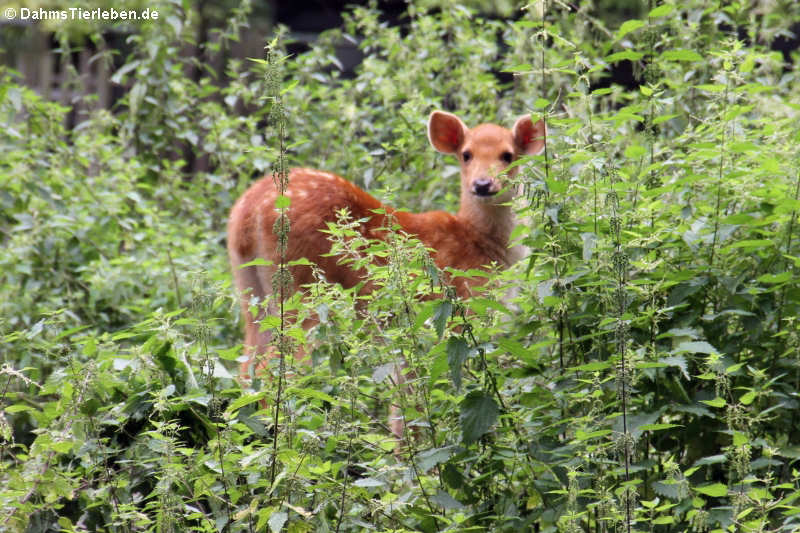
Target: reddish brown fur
[(475, 237)]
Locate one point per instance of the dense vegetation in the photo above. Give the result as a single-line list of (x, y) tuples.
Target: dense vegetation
[(643, 375)]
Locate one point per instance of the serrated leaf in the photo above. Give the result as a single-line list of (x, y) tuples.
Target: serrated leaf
[(277, 520), (594, 366), (716, 402), (658, 427), (535, 499), (514, 348), (439, 364), (246, 399), (441, 315), (668, 490), (369, 482), (479, 412), (314, 394), (430, 458), (661, 11), (711, 87), (584, 435), (635, 151), (775, 278), (481, 306), (629, 26), (678, 361), (751, 244), (716, 490), (381, 372), (457, 353), (681, 55), (521, 67), (696, 347), (747, 398), (541, 103), (664, 118), (18, 408), (733, 368), (444, 500)]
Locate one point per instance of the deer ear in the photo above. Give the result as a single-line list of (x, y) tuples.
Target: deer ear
[(446, 132), (528, 136)]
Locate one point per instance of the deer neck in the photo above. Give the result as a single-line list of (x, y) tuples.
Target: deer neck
[(492, 222)]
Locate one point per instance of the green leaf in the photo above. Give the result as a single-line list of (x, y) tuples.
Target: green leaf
[(716, 402), (246, 399), (313, 394), (369, 482), (751, 244), (277, 520), (18, 408), (661, 11), (635, 151), (440, 363), (775, 278), (658, 427), (629, 26), (594, 366), (429, 458), (740, 439), (710, 460), (677, 361), (696, 347), (446, 501), (282, 202), (716, 490), (62, 446), (681, 55), (479, 412), (441, 315), (747, 398), (514, 348), (663, 118), (584, 435), (521, 67), (733, 368), (457, 353), (69, 332), (711, 87), (541, 103)]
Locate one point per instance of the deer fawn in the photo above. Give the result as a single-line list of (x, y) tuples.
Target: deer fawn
[(475, 237)]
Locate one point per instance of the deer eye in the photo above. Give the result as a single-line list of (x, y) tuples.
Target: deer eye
[(507, 157), (467, 156)]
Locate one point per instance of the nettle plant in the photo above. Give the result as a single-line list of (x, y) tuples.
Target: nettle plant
[(637, 370)]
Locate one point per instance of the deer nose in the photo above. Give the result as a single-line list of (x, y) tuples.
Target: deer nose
[(482, 187)]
